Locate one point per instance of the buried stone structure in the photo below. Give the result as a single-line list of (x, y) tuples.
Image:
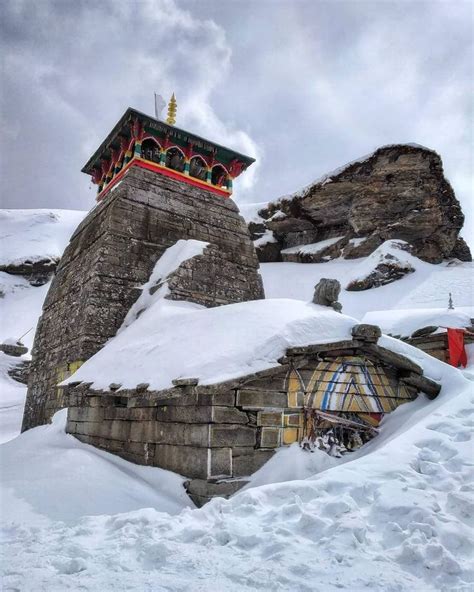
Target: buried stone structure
[(330, 395)]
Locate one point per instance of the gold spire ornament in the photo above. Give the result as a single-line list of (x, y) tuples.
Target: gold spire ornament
[(172, 107)]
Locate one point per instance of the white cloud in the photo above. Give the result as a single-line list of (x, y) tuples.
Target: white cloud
[(70, 72)]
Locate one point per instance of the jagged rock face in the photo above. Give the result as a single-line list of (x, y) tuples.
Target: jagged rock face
[(111, 255), (399, 192)]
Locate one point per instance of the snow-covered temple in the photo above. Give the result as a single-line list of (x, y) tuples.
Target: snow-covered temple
[(157, 336)]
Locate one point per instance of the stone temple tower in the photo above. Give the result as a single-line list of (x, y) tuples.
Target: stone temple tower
[(157, 184)]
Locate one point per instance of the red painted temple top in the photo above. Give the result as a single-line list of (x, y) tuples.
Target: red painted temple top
[(140, 140)]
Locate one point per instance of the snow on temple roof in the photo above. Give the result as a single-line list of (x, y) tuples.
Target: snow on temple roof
[(171, 340), (162, 340)]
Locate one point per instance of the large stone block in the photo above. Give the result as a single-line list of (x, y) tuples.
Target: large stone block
[(201, 463), (231, 435), (246, 460), (260, 399)]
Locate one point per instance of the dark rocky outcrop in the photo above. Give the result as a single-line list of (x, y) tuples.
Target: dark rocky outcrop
[(21, 371), (389, 269), (37, 272), (398, 192), (460, 250)]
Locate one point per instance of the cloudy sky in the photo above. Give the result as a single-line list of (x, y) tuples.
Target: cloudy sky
[(304, 86)]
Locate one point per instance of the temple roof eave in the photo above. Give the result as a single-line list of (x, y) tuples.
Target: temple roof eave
[(112, 137)]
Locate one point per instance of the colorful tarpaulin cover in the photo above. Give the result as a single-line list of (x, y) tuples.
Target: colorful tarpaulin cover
[(457, 351), (351, 385)]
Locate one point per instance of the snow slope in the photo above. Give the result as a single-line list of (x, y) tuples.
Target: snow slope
[(405, 322), (29, 235), (25, 235), (395, 516), (48, 474), (428, 287), (35, 234)]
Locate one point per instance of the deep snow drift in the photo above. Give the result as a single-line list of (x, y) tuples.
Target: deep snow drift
[(395, 516)]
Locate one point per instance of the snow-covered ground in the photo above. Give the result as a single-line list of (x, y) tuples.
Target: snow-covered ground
[(395, 516), (428, 287), (35, 234), (29, 235)]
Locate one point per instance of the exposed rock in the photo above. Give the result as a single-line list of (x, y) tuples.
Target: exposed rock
[(326, 293), (460, 250), (384, 273), (37, 272), (21, 371), (315, 253), (388, 267), (398, 192), (13, 349), (424, 331), (366, 333)]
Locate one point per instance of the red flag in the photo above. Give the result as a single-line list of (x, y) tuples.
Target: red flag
[(457, 352)]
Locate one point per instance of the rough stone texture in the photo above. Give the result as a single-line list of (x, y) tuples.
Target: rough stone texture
[(218, 435), (399, 192), (366, 333), (384, 273), (11, 349), (112, 252), (325, 254), (326, 293), (20, 371), (461, 250), (37, 272)]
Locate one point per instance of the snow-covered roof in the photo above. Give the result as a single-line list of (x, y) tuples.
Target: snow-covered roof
[(171, 340), (35, 234), (405, 322), (162, 340)]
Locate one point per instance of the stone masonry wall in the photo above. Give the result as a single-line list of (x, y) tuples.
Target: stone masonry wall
[(220, 434), (112, 254)]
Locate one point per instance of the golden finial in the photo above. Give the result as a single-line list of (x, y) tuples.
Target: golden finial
[(172, 107)]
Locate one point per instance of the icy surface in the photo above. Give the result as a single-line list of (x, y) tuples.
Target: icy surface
[(35, 234), (405, 322)]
